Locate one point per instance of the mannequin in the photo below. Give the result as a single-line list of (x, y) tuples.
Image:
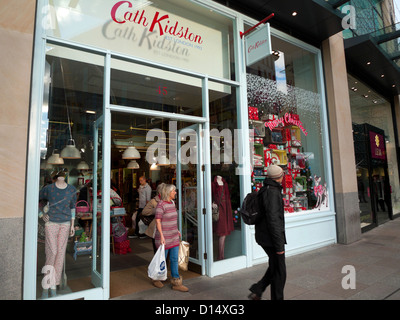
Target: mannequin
[(59, 218), (224, 226)]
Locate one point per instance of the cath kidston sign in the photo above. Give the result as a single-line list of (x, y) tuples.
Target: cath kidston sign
[(258, 45)]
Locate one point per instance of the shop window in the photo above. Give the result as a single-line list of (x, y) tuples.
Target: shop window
[(285, 118), (225, 183), (71, 149)]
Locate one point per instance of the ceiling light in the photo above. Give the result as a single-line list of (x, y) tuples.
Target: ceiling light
[(70, 151), (382, 75), (55, 159), (294, 13), (131, 153), (163, 161), (368, 63), (132, 165), (154, 167), (393, 85), (82, 165)]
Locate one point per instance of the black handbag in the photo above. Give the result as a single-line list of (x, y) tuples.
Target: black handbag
[(147, 219)]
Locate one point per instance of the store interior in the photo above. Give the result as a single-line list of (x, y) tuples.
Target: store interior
[(141, 146)]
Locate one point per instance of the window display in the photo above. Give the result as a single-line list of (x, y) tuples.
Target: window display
[(285, 121)]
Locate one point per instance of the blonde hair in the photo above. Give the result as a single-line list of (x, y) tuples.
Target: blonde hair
[(166, 190)]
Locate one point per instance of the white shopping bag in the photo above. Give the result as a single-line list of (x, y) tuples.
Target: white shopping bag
[(157, 269), (142, 227)]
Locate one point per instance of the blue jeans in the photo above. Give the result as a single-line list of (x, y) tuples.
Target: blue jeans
[(173, 259)]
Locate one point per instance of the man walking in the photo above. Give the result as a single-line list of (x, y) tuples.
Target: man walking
[(270, 235)]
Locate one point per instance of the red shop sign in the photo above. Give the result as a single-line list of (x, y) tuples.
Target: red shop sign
[(377, 143), (160, 22)]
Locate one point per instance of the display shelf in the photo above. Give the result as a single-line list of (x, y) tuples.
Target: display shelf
[(258, 126), (295, 136), (82, 248)]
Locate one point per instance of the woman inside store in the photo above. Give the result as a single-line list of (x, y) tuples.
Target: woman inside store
[(167, 233), (149, 212)]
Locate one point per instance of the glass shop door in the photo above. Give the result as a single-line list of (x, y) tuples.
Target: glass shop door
[(189, 183)]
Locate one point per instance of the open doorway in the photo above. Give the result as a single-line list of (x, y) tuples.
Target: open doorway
[(145, 150)]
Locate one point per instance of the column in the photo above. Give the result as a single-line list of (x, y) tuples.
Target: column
[(343, 158)]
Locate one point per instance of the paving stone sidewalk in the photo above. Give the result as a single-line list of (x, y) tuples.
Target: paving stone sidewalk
[(314, 275)]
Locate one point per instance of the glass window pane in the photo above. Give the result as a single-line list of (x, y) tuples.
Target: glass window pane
[(285, 115), (377, 176), (225, 184), (73, 101), (143, 87)]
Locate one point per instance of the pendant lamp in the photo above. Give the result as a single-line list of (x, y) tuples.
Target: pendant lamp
[(131, 153), (163, 161), (154, 167), (82, 166), (132, 165), (55, 159), (70, 151)]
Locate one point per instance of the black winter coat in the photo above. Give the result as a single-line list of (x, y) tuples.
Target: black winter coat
[(270, 230)]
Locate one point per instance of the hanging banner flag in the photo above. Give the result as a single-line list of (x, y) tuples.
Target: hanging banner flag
[(258, 45), (377, 142)]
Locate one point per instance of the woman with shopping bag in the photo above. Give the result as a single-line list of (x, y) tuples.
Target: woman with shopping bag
[(167, 233)]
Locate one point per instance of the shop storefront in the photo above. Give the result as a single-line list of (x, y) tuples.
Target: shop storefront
[(375, 151), (160, 89)]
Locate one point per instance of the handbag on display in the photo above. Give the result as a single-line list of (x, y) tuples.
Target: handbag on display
[(183, 255), (82, 211), (215, 211)]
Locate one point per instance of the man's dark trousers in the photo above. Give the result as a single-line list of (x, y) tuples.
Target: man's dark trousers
[(275, 275)]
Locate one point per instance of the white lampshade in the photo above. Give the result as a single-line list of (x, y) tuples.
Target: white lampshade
[(82, 166), (154, 167), (132, 165), (55, 159), (131, 153), (70, 151), (163, 161)]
